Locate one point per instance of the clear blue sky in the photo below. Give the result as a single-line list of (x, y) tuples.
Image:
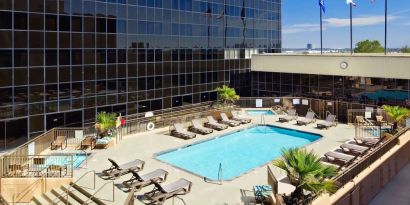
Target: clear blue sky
[(300, 23)]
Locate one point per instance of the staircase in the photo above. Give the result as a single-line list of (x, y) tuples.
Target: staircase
[(101, 192)]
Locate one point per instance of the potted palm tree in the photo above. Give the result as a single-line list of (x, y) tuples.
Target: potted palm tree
[(104, 123), (397, 114), (227, 95), (305, 171)]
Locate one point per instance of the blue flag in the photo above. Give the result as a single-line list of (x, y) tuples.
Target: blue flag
[(322, 5)]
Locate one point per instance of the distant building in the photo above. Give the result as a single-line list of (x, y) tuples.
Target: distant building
[(310, 46)]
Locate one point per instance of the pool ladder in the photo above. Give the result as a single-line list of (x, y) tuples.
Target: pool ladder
[(219, 176), (263, 122)]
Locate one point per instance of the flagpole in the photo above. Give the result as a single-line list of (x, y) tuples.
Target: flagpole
[(385, 27), (351, 29), (321, 34)]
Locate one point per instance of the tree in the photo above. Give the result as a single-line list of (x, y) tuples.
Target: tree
[(405, 49), (368, 46), (306, 172), (104, 122), (227, 95), (396, 113)]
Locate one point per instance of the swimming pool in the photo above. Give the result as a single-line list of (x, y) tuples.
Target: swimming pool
[(238, 152), (259, 112), (78, 160)]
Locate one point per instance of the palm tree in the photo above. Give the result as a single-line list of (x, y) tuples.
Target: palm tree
[(227, 95), (306, 172), (396, 113), (104, 122)]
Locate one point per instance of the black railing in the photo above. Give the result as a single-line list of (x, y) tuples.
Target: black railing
[(302, 104), (363, 163)]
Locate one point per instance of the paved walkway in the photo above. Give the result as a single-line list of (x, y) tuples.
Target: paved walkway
[(144, 145), (397, 191)]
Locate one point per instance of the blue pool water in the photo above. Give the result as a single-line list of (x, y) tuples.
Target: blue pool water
[(259, 112), (78, 160), (387, 94), (238, 152)]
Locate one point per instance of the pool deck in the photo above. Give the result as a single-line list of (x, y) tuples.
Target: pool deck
[(239, 191)]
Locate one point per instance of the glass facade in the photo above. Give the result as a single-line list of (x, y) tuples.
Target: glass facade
[(62, 61), (344, 88)]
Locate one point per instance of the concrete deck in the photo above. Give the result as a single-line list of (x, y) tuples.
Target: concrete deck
[(144, 145)]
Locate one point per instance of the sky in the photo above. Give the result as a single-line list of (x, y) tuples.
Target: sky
[(301, 23)]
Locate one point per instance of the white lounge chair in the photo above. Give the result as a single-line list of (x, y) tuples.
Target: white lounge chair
[(180, 132), (291, 115), (137, 181), (161, 193), (227, 121), (243, 120), (329, 122), (353, 149), (198, 128), (212, 123), (309, 118), (116, 170)]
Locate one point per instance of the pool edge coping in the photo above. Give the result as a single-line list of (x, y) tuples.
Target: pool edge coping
[(155, 155)]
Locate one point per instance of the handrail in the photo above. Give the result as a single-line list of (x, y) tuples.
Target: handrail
[(58, 199), (3, 200), (86, 157), (16, 195), (99, 189), (220, 174)]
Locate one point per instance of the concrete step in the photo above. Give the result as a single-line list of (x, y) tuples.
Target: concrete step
[(49, 197), (61, 196), (76, 195), (87, 194), (39, 200)]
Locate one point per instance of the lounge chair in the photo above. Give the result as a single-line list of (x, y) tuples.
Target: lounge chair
[(116, 170), (180, 132), (243, 120), (309, 118), (340, 157), (227, 121), (353, 149), (367, 141), (329, 122), (198, 128), (137, 181), (291, 115), (212, 123), (362, 121), (58, 142), (161, 193)]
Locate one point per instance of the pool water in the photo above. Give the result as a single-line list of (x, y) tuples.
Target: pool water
[(259, 112), (78, 160), (388, 94), (237, 152)]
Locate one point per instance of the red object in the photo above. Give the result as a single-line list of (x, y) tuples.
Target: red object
[(122, 121)]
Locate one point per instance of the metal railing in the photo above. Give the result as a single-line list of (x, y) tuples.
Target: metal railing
[(99, 189), (37, 166), (3, 200), (367, 131), (302, 104), (18, 196), (363, 163), (58, 199)]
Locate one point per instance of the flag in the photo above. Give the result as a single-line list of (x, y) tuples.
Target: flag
[(208, 12), (351, 2), (221, 15), (322, 5), (243, 11)]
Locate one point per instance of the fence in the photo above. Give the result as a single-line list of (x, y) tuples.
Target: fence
[(163, 120), (60, 166), (364, 162), (302, 104)]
